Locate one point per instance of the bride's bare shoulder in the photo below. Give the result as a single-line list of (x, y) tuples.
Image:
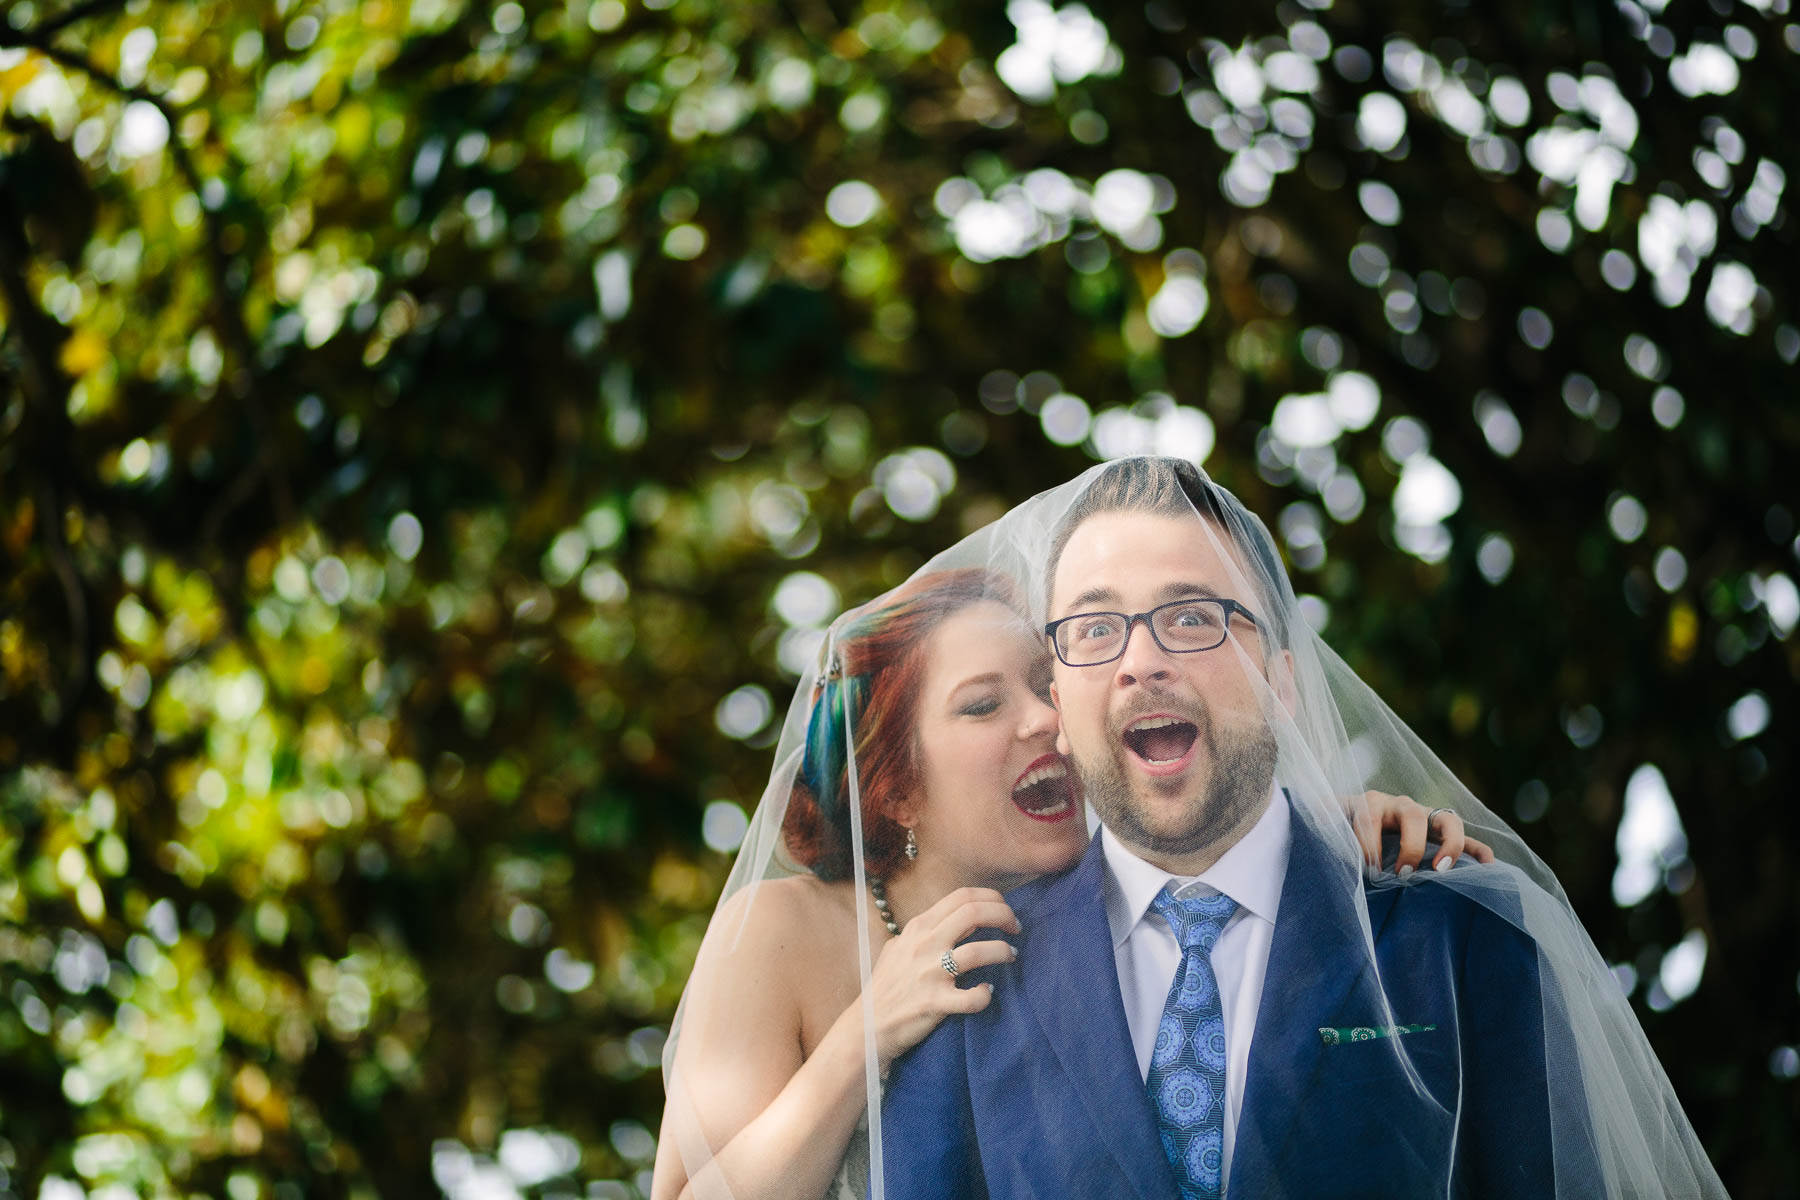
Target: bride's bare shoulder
[(773, 954), (788, 916)]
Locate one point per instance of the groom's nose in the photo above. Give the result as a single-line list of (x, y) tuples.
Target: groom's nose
[(1143, 660)]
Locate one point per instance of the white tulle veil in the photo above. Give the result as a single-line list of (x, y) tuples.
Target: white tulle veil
[(1616, 1126)]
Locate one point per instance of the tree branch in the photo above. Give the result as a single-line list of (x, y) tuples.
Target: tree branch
[(58, 23), (228, 316), (46, 387)]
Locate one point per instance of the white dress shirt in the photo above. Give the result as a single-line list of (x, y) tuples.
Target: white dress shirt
[(1146, 953)]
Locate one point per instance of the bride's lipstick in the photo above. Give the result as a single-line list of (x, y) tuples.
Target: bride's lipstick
[(1044, 791)]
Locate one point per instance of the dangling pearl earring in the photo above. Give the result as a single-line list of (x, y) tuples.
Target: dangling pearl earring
[(878, 886)]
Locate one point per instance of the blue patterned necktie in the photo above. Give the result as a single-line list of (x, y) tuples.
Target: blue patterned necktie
[(1187, 1069)]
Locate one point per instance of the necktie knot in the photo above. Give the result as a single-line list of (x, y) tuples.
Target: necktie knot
[(1196, 920)]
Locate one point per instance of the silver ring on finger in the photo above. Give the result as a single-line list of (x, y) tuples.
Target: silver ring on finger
[(1432, 816), (949, 964)]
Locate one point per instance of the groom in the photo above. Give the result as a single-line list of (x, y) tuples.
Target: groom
[(1193, 1010)]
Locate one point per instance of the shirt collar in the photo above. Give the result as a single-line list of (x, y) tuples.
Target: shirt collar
[(1251, 872)]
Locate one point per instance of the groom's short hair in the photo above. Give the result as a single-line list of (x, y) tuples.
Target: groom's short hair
[(1174, 487)]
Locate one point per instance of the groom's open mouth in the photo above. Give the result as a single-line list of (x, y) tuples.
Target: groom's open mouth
[(1044, 791), (1161, 742)]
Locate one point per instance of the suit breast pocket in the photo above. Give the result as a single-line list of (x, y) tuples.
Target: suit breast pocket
[(1400, 1066)]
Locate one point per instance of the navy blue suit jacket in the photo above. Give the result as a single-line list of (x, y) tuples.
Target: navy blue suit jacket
[(1039, 1095)]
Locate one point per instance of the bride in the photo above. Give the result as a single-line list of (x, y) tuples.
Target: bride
[(823, 964)]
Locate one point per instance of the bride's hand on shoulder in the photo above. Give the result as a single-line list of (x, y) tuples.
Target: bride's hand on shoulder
[(912, 989), (1416, 825)]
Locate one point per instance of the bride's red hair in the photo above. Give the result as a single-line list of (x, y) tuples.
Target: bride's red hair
[(882, 653)]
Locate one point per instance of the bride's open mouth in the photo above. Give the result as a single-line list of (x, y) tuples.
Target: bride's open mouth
[(1161, 742), (1044, 791)]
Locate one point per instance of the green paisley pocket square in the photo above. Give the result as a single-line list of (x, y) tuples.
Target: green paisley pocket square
[(1367, 1033)]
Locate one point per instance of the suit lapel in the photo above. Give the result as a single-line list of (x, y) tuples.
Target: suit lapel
[(1072, 983), (1314, 961)]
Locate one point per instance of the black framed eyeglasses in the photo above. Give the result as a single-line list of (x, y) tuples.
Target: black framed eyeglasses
[(1179, 627)]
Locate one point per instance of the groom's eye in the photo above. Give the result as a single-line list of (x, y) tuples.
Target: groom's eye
[(1096, 629)]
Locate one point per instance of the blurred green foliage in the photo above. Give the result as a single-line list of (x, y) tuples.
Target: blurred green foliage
[(433, 431)]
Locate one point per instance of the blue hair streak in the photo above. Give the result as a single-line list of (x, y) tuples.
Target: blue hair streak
[(823, 769)]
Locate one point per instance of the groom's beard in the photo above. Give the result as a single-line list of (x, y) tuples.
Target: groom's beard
[(1240, 770)]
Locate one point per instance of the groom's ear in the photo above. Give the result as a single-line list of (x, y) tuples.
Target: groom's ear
[(1281, 678), (1062, 737)]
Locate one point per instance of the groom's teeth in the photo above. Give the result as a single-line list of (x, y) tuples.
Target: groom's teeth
[(1154, 723), (1160, 738)]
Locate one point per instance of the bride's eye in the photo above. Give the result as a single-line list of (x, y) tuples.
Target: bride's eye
[(981, 708)]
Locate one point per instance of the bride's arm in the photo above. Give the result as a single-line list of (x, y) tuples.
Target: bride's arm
[(740, 1096), (739, 1082), (792, 1147)]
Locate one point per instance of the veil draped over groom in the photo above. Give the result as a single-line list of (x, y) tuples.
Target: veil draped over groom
[(1217, 994)]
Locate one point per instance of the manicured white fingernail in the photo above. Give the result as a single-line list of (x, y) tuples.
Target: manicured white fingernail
[(1404, 872), (1442, 864)]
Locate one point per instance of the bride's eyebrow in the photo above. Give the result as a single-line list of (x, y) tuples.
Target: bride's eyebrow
[(973, 680)]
